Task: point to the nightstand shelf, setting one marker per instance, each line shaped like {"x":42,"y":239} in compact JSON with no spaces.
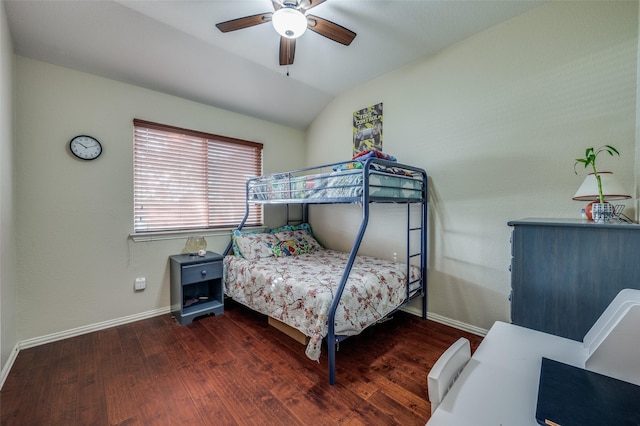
{"x":196,"y":286}
{"x":201,"y":306}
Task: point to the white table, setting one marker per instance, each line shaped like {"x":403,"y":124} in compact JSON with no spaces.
{"x":499,"y":385}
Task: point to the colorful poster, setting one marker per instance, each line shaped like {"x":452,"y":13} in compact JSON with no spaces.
{"x":367,"y":129}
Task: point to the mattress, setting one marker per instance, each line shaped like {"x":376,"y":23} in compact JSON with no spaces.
{"x":336,"y":185}
{"x":298,"y":290}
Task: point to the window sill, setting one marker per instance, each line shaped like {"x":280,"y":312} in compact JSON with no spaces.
{"x":145,"y":237}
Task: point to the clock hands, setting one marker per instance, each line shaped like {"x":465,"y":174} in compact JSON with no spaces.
{"x":89,"y":143}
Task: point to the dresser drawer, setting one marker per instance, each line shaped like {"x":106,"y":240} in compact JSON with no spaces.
{"x":201,"y":272}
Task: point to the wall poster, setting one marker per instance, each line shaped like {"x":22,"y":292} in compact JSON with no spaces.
{"x":367,"y":129}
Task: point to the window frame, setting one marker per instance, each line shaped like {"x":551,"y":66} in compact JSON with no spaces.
{"x":212,"y":145}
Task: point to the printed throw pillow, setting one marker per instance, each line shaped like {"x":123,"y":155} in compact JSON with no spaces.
{"x":299,"y":235}
{"x":297,"y":232}
{"x":253,"y":245}
{"x":289,"y":248}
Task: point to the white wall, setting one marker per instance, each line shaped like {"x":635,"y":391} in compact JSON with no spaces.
{"x":76,"y":265}
{"x":497,"y":122}
{"x":8,"y":270}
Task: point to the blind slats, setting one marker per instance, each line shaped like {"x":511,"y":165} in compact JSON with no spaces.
{"x":185,"y":179}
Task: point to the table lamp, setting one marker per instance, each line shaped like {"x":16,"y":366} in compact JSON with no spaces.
{"x":611,"y":190}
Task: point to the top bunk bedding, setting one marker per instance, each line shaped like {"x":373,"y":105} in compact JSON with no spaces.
{"x":375,"y":180}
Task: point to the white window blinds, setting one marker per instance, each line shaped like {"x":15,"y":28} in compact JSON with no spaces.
{"x":184,"y":179}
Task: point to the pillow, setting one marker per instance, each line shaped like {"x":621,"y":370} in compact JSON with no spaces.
{"x":298,"y":232}
{"x":289,"y":248}
{"x":237,"y":233}
{"x":301,"y":226}
{"x":299,"y":235}
{"x":282,"y":228}
{"x":253,"y":245}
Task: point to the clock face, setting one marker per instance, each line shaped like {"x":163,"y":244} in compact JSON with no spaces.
{"x":85,"y":147}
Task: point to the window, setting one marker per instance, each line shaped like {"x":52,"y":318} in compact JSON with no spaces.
{"x":184,"y":179}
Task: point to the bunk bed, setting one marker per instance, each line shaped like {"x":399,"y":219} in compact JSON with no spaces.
{"x":328,"y":295}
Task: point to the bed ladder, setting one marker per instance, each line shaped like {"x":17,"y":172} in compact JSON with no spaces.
{"x":421,"y":254}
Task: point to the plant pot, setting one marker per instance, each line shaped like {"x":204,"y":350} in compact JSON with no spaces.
{"x":602,"y":212}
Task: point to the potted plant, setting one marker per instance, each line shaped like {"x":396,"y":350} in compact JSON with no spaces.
{"x":601,"y":211}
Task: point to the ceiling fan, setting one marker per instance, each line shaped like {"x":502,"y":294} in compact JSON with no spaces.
{"x":290,"y":20}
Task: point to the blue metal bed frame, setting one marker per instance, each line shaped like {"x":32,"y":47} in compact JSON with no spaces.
{"x":365,"y":199}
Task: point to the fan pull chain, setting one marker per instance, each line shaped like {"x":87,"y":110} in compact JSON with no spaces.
{"x":288,"y":56}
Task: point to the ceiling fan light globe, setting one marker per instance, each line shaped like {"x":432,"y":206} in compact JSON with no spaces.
{"x":289,"y":22}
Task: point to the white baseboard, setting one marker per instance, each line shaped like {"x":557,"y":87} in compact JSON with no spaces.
{"x":54,"y":337}
{"x":447,"y":321}
{"x":7,"y":367}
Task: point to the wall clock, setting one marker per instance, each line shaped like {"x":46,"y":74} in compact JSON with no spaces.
{"x":85,"y":147}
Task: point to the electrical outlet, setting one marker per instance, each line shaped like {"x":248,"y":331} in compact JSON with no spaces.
{"x":140,"y":284}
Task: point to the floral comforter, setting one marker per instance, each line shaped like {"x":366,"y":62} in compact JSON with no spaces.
{"x":299,"y":290}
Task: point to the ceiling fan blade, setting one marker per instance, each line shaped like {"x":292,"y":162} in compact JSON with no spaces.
{"x":330,"y":30}
{"x":276,"y":4}
{"x":287,"y":50}
{"x":246,"y":22}
{"x":308,"y":4}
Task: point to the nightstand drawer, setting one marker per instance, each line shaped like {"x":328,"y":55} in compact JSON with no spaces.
{"x":201,"y":272}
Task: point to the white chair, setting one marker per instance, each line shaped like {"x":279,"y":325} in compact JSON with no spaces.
{"x":446,"y":370}
{"x":612,"y":341}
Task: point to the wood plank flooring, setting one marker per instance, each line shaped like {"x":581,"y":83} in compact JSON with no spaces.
{"x":233,"y":369}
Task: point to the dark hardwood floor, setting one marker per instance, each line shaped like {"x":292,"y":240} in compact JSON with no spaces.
{"x":225,"y":370}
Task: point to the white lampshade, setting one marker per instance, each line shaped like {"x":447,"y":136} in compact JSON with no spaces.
{"x":611,"y":188}
{"x":289,"y":22}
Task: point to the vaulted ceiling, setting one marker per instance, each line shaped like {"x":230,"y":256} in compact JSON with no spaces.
{"x":174,"y":47}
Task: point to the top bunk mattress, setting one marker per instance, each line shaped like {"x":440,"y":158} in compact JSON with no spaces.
{"x":342,"y":183}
